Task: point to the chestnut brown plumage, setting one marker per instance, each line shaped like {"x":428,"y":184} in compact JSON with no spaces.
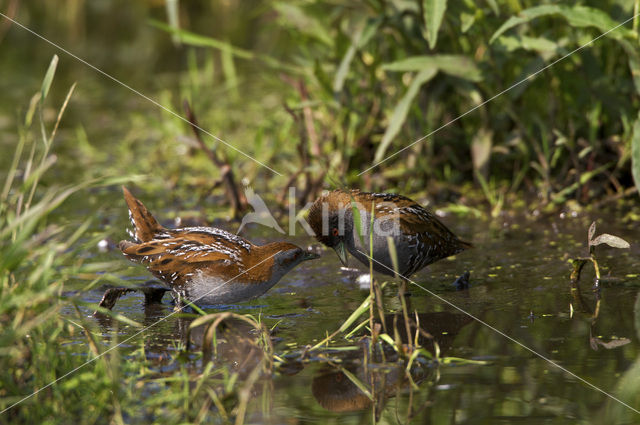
{"x":207,"y":265}
{"x":418,"y":236}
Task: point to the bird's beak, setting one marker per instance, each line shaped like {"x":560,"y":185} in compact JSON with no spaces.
{"x":310,"y":256}
{"x":342,"y":253}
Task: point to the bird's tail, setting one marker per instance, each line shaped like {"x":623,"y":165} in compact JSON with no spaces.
{"x":144,"y":225}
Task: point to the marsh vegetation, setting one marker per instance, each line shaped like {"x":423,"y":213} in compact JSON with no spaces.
{"x":312,"y":95}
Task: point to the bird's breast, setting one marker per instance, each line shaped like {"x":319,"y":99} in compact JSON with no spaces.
{"x":210,"y":289}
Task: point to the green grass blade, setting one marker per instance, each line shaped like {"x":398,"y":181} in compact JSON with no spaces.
{"x":400,"y":112}
{"x":48,"y":78}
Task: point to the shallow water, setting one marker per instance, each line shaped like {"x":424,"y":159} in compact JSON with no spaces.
{"x":520,"y":295}
{"x":516,"y":316}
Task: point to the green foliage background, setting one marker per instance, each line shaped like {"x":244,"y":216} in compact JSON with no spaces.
{"x":364,"y":78}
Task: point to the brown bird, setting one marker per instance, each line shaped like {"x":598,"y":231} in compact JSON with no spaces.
{"x":207,"y":265}
{"x":418,"y":236}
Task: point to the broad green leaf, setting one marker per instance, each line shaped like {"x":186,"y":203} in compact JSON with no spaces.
{"x":402,"y":109}
{"x":577,"y":16}
{"x":635,"y":153}
{"x":584,"y":16}
{"x":537,"y":44}
{"x":525,"y":16}
{"x":457,"y":65}
{"x":611,"y":240}
{"x":433,"y":15}
{"x":48,"y":78}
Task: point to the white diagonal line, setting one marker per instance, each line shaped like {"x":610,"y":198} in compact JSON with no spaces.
{"x":109,"y":76}
{"x":129,"y":338}
{"x":501,"y":93}
{"x":531,"y":350}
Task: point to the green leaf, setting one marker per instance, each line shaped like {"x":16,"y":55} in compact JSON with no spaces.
{"x":402,"y":109}
{"x":634,"y":62}
{"x":192,"y":39}
{"x":494,"y":7}
{"x":173,"y":16}
{"x":481,"y":144}
{"x":345,"y":63}
{"x":393,"y":253}
{"x":48,"y":78}
{"x":295,"y":16}
{"x":577,"y":16}
{"x":635,"y":153}
{"x":361,"y":38}
{"x":456,"y":65}
{"x":536,"y":44}
{"x":584,"y":16}
{"x":433,"y":15}
{"x":466,"y":21}
{"x":357,"y":219}
{"x":358,"y":383}
{"x":525,"y":16}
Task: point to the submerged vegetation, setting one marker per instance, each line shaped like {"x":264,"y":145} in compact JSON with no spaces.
{"x":477,"y":106}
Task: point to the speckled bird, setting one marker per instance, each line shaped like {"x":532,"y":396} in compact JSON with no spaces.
{"x":418,"y":236}
{"x":206,"y":265}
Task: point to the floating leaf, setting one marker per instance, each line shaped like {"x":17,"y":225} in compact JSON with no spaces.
{"x":456,"y":65}
{"x":611,"y":240}
{"x":402,"y":109}
{"x":433,"y":15}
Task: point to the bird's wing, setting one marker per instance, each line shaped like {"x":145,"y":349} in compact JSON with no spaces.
{"x":177,"y":259}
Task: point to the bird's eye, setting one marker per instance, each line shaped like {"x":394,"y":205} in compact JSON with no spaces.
{"x":335,"y":231}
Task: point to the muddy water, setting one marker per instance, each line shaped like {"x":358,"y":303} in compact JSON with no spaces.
{"x":519,"y":316}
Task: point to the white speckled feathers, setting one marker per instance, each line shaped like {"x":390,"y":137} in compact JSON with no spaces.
{"x":173,"y":255}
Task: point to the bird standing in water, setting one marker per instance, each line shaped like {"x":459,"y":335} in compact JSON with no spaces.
{"x":207,"y":265}
{"x":419,"y":237}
